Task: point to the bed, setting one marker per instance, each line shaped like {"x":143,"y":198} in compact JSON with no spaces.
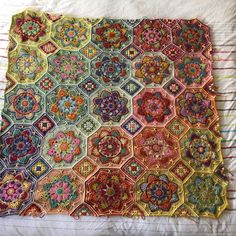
{"x":221,"y":17}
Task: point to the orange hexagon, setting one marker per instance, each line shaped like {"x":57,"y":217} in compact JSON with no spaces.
{"x":156,"y":148}
{"x":60,"y":191}
{"x":110,"y":146}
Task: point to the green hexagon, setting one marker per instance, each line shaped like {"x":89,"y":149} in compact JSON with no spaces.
{"x":24,"y":104}
{"x":68,"y":67}
{"x":26,"y":64}
{"x":64,"y":146}
{"x":66,"y":104}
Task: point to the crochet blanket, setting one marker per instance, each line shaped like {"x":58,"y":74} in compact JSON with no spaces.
{"x":110,"y":117}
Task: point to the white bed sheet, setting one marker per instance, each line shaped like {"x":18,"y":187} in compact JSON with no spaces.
{"x":220,"y":15}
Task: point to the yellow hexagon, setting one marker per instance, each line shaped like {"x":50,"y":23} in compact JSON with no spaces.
{"x":71,"y":33}
{"x":201,"y":149}
{"x":206,"y":194}
{"x":159,"y":193}
{"x":30,"y":27}
{"x":26,"y":64}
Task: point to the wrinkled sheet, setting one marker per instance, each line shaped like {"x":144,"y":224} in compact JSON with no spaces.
{"x":221,"y":17}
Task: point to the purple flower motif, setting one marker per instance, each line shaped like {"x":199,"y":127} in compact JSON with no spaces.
{"x":200,"y":148}
{"x":110,"y":106}
{"x":195,"y":107}
{"x":110,"y":69}
{"x":15,"y":191}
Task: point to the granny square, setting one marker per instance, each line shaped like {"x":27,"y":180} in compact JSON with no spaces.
{"x":110,"y":117}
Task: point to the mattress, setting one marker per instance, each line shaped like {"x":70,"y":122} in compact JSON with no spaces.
{"x":221,"y":17}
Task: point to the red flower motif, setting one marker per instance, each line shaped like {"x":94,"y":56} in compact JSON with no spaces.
{"x":152,"y":107}
{"x":110,"y":146}
{"x":30,"y":28}
{"x":191,"y":35}
{"x":159,"y":192}
{"x":151,"y":35}
{"x":109,"y":191}
{"x":110,"y":34}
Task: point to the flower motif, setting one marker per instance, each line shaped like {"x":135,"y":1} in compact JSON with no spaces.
{"x":201,"y":148}
{"x":159,"y":192}
{"x":64,"y":147}
{"x":205,"y":193}
{"x":110,"y":34}
{"x":153,"y":107}
{"x":60,"y":192}
{"x":191,"y":70}
{"x":110,"y":106}
{"x":151,"y":35}
{"x":30,"y":28}
{"x":109,"y":191}
{"x":24,"y":103}
{"x":67,"y":66}
{"x":66,"y":104}
{"x":155,"y":148}
{"x":195,"y":107}
{"x":20,"y":144}
{"x":109,"y":146}
{"x":71,"y":33}
{"x":110,"y":69}
{"x":15,"y":192}
{"x":153,"y":69}
{"x":26,"y":64}
{"x":191,"y":35}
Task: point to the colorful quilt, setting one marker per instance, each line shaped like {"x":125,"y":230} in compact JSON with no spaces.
{"x":110,"y":117}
